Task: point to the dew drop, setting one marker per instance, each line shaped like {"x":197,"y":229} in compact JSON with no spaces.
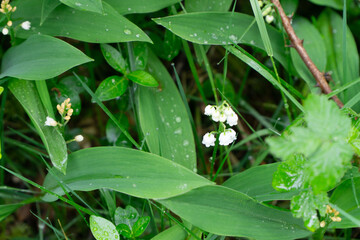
{"x":127,"y":31}
{"x":178,"y":119}
{"x":186,"y":143}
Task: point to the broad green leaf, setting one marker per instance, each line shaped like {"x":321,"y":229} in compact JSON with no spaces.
{"x":315,"y":47}
{"x":7,"y":209}
{"x":306,"y":205}
{"x":290,"y":174}
{"x":114,"y":58}
{"x":290,"y":6}
{"x":224,"y":211}
{"x":139,"y":6}
{"x":47,"y":7}
{"x":26,"y":93}
{"x":103,"y":229}
{"x":260,"y":187}
{"x":175,"y":232}
{"x":125,"y":170}
{"x":337,"y":4}
{"x":112,"y":87}
{"x":330,"y":24}
{"x":207,"y":5}
{"x":127,"y":216}
{"x":85,"y":5}
{"x":223,"y":29}
{"x":41,"y":57}
{"x":143,"y":78}
{"x":163,"y":118}
{"x":347,"y":197}
{"x":323,"y":143}
{"x":80,"y":25}
{"x":140,"y":226}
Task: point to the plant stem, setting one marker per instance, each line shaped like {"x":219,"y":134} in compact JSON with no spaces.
{"x":298,"y":45}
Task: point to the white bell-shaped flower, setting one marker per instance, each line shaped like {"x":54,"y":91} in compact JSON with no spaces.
{"x":209,"y":110}
{"x":227,"y":137}
{"x":209,"y":139}
{"x":50,"y":122}
{"x":216,"y":115}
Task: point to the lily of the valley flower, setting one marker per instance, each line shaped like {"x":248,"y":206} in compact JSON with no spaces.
{"x":5,"y":31}
{"x":227,"y":137}
{"x":209,"y":139}
{"x":26,"y":25}
{"x":79,"y":138}
{"x":50,"y":122}
{"x":209,"y":110}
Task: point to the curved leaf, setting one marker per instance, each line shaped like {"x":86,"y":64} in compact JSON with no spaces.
{"x":26,"y":93}
{"x":143,"y":78}
{"x":80,"y":25}
{"x":163,"y":118}
{"x":41,"y":57}
{"x":139,"y":6}
{"x":103,"y":229}
{"x":175,"y":233}
{"x":207,"y":5}
{"x":216,"y":28}
{"x":111,"y":87}
{"x":125,"y":170}
{"x":223,"y":211}
{"x":85,"y":5}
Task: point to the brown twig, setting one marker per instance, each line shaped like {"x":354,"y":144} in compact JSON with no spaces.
{"x":298,"y":45}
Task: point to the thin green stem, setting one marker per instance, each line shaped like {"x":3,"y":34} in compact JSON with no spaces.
{"x":209,"y":72}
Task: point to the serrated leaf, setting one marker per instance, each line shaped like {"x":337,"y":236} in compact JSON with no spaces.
{"x":143,"y":78}
{"x":114,"y":58}
{"x":140,"y":226}
{"x":323,"y":143}
{"x":41,"y":57}
{"x":85,"y":5}
{"x":124,"y":230}
{"x":127,"y":216}
{"x":306,"y":204}
{"x":289,"y":175}
{"x":103,"y":229}
{"x":111,"y":87}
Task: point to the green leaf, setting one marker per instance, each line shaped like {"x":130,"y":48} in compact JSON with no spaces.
{"x":127,"y":216}
{"x":207,"y":5}
{"x":125,"y":170}
{"x":103,"y":229}
{"x":305,"y":206}
{"x":114,"y":58}
{"x":113,"y":133}
{"x":73,"y":83}
{"x":139,"y":6}
{"x":41,"y":57}
{"x":175,"y":232}
{"x":140,"y":226}
{"x":323,"y":143}
{"x":47,"y":7}
{"x":163,"y":118}
{"x":330,"y":24}
{"x":124,"y":230}
{"x":241,"y":216}
{"x":260,"y":188}
{"x":141,"y":54}
{"x":85,"y":5}
{"x":223,"y":29}
{"x":290,"y":174}
{"x":166,"y":48}
{"x":71,"y":23}
{"x":1,"y":90}
{"x":26,"y":93}
{"x":315,"y":47}
{"x":112,"y":87}
{"x":143,"y":78}
{"x":337,"y":4}
{"x":347,"y":197}
{"x":7,"y":209}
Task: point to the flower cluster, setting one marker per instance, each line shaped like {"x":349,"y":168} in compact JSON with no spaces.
{"x":65,"y":109}
{"x":267,"y":10}
{"x":7,"y":9}
{"x":332,"y":214}
{"x":223,"y":114}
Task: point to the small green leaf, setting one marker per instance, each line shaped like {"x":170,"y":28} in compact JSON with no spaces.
{"x":41,"y":57}
{"x":124,"y":230}
{"x":305,"y":206}
{"x":141,"y":54}
{"x":103,"y":229}
{"x":289,"y":175}
{"x":85,"y":5}
{"x":140,"y":226}
{"x":143,"y":78}
{"x":114,"y":58}
{"x":112,"y":87}
{"x":127,"y":216}
{"x":73,"y":83}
